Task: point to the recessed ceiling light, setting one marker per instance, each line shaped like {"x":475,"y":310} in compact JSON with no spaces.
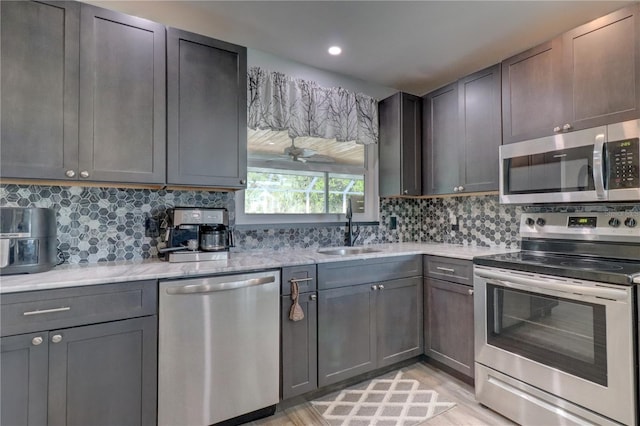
{"x":335,"y":50}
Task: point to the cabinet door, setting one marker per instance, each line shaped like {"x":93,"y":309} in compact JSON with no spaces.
{"x":480,"y":130}
{"x":441,"y":158}
{"x":299,"y":367}
{"x":206,"y":111}
{"x":400,"y":146}
{"x":532,"y":101}
{"x":23,"y":372}
{"x":346,"y":333}
{"x":603,"y":62}
{"x":399,"y":316}
{"x":39,"y":63}
{"x":122,"y":98}
{"x":104,"y":374}
{"x":449,"y":324}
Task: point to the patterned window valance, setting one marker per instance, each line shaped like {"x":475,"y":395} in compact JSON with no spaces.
{"x":303,"y":108}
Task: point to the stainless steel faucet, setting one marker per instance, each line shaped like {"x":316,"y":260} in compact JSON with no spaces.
{"x":351,"y":234}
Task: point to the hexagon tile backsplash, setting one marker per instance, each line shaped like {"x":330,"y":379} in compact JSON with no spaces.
{"x":105,"y":224}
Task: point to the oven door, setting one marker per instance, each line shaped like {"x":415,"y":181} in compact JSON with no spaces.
{"x":562,"y":168}
{"x":570,"y":338}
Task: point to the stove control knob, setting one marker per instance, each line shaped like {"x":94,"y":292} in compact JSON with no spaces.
{"x":630,"y":222}
{"x":530,"y":221}
{"x":541,"y":221}
{"x":615,"y":222}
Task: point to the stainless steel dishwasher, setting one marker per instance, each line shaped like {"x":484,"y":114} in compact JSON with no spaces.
{"x":218,"y":348}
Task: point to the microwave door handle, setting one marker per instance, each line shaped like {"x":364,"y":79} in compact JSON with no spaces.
{"x":598,"y":167}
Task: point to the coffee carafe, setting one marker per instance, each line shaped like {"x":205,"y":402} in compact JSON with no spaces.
{"x":197,"y":234}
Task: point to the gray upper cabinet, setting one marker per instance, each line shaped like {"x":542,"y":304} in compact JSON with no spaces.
{"x":400,"y":146}
{"x":532,"y":92}
{"x":587,"y":77}
{"x":206,"y":111}
{"x":603,"y":61}
{"x":39,"y":64}
{"x":122,"y":98}
{"x":480,"y":130}
{"x":441,"y":161}
{"x":462,"y":124}
{"x":88,"y":101}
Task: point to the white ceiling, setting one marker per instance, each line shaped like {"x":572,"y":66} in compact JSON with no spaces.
{"x":414,"y":46}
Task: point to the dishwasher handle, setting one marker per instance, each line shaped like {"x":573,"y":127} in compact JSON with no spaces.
{"x":223,"y":286}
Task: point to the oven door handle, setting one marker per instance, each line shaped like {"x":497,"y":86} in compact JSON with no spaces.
{"x":528,"y":284}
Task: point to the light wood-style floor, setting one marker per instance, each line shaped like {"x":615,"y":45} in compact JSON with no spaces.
{"x":466,"y":412}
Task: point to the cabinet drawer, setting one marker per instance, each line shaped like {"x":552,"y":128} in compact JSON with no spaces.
{"x":449,"y":269}
{"x":49,"y":309}
{"x":362,"y":271}
{"x":305,"y":275}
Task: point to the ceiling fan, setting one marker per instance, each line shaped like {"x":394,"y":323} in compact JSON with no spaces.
{"x":305,"y":154}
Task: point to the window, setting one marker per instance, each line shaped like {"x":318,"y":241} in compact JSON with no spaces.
{"x":307,"y":180}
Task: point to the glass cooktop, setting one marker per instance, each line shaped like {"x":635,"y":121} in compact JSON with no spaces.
{"x":598,"y":269}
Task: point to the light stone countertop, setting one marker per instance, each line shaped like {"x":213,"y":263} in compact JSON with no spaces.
{"x":112,"y":272}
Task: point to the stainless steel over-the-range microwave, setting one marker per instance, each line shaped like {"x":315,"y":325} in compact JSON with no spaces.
{"x":591,"y":165}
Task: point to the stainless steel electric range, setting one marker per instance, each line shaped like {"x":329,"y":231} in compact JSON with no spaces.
{"x":555,"y":324}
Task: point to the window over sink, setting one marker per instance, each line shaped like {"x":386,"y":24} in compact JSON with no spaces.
{"x":307,"y":180}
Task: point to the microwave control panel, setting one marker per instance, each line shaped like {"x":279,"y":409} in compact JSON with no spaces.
{"x":624,"y":163}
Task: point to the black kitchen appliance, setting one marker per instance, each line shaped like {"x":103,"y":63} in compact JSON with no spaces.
{"x":555,"y":323}
{"x":197,"y":234}
{"x":27,"y":240}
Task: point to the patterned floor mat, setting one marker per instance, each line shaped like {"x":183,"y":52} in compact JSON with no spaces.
{"x":387,"y":401}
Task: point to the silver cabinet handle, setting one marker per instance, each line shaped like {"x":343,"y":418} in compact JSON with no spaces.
{"x":440,"y":268}
{"x":374,"y":287}
{"x":84,"y":174}
{"x":300,"y":280}
{"x":405,"y":192}
{"x":210,"y":288}
{"x":455,"y":189}
{"x":461,"y":188}
{"x":70,"y":173}
{"x":47,"y":311}
{"x":57,"y":338}
{"x":566,"y":127}
{"x":313,"y":297}
{"x":243,"y":181}
{"x":381,"y":287}
{"x":557,"y":129}
{"x":470,"y":291}
{"x":36,"y":341}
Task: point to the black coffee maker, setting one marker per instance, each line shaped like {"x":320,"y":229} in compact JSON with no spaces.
{"x":197,"y":234}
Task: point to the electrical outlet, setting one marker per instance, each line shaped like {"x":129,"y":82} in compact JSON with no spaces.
{"x":393,"y":223}
{"x":453,"y":220}
{"x":151,"y":228}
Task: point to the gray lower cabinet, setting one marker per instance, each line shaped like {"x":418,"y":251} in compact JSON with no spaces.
{"x":206,"y":111}
{"x":462,"y":127}
{"x":24,"y":365}
{"x":299,"y":339}
{"x":366,"y":325}
{"x":448,"y":313}
{"x":400,"y":145}
{"x":88,"y":101}
{"x":101,"y":373}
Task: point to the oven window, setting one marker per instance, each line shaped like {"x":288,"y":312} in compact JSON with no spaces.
{"x":568,"y":170}
{"x":565,"y":334}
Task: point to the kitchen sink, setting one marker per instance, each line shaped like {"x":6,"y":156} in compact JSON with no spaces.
{"x":348,"y":251}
